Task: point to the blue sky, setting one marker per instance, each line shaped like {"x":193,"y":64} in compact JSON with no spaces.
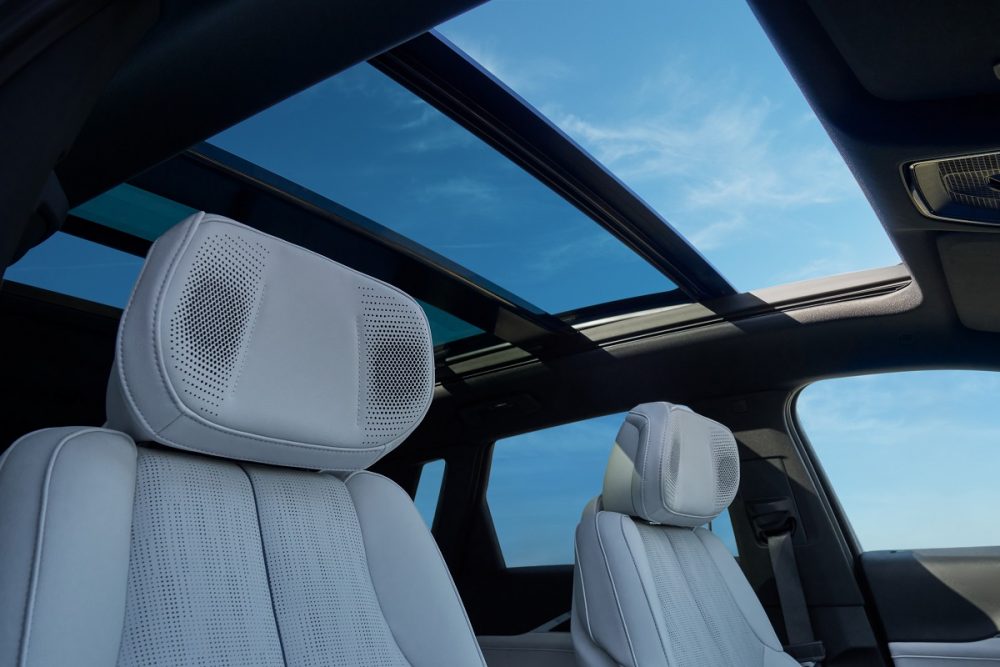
{"x":690,"y":106}
{"x":912,"y":456}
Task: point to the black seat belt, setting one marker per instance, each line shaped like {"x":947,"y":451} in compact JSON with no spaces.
{"x":774,"y":523}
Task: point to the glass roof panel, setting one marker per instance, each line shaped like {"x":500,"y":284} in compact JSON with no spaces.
{"x":133,"y":211}
{"x":367,"y":143}
{"x":689,"y":104}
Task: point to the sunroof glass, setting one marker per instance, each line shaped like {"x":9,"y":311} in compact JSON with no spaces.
{"x":690,"y":105}
{"x":365,"y":142}
{"x":146,"y":215}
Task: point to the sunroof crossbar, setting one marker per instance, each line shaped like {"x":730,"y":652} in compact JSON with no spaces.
{"x":459,"y":87}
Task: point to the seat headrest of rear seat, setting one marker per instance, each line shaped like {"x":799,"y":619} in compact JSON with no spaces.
{"x":241,"y":345}
{"x":671,"y":466}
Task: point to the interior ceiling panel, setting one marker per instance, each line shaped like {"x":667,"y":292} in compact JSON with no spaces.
{"x":907,"y":50}
{"x":970,"y":266}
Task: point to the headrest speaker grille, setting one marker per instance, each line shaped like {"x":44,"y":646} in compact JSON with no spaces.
{"x":214,"y":317}
{"x":727,"y":467}
{"x":395,"y":370}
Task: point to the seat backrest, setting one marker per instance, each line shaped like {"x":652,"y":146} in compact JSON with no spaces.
{"x":653,"y":587}
{"x":243,"y":366}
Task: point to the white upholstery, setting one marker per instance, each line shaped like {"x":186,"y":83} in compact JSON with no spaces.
{"x":241,"y":345}
{"x":138,"y":555}
{"x":648,"y":594}
{"x":670,"y":465}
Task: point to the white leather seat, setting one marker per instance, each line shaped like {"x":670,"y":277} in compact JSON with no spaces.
{"x":653,"y":587}
{"x":193,"y":528}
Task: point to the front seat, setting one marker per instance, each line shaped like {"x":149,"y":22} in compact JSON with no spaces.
{"x":193,"y":529}
{"x":652,"y":587}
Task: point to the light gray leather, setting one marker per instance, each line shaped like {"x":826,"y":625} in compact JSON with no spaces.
{"x":672,"y":466}
{"x":531,"y":649}
{"x":647,"y":594}
{"x":415,"y":590}
{"x":241,"y":345}
{"x":254,"y":565}
{"x":984,"y":653}
{"x":65,"y":516}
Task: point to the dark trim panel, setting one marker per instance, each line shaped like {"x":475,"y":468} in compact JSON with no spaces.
{"x":445,"y":77}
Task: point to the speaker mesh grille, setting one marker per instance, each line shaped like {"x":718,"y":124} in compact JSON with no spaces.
{"x":727,"y":467}
{"x":396,"y":372}
{"x":966,"y":180}
{"x":214,"y":317}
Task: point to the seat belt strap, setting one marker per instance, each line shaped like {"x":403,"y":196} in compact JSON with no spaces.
{"x":774,"y":523}
{"x":792,"y":599}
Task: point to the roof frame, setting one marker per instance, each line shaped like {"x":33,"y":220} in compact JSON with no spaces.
{"x":441,"y":74}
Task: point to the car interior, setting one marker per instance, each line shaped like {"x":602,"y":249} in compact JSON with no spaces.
{"x":275,"y":397}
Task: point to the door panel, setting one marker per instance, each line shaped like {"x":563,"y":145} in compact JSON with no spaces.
{"x":968,"y":654}
{"x":937,"y":606}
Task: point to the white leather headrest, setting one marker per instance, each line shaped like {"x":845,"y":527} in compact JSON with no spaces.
{"x":672,"y":466}
{"x":244,"y":346}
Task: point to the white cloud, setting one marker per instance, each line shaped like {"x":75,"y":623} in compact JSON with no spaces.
{"x":469,"y":191}
{"x":522,"y":75}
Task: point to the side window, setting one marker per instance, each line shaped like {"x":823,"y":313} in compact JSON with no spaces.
{"x":429,"y":490}
{"x":71,"y":265}
{"x":913,"y":456}
{"x":541,"y":481}
{"x":539,"y":484}
{"x":722,"y":526}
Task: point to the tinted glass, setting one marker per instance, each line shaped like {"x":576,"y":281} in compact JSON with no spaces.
{"x":367,"y":143}
{"x":539,"y":484}
{"x":429,"y":490}
{"x":77,"y":267}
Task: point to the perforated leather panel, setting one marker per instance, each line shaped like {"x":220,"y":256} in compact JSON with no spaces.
{"x":703,"y":623}
{"x":318,"y":569}
{"x":256,"y":566}
{"x":197,"y":586}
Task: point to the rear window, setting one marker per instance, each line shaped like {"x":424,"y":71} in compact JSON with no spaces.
{"x":539,"y":484}
{"x":541,"y":481}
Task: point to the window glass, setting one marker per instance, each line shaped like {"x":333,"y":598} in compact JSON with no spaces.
{"x":539,"y":484}
{"x":133,"y":211}
{"x":369,"y":144}
{"x":690,"y":105}
{"x":722,"y":526}
{"x":77,"y":267}
{"x":913,"y":457}
{"x":429,"y":490}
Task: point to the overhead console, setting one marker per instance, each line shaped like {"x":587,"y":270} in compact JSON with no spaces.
{"x":959,"y":189}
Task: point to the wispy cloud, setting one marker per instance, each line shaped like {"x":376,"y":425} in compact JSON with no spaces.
{"x":523,"y":75}
{"x":728,"y":158}
{"x":468,"y":191}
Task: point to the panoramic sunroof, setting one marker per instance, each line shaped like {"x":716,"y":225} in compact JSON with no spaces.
{"x":690,"y":105}
{"x":367,"y":143}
